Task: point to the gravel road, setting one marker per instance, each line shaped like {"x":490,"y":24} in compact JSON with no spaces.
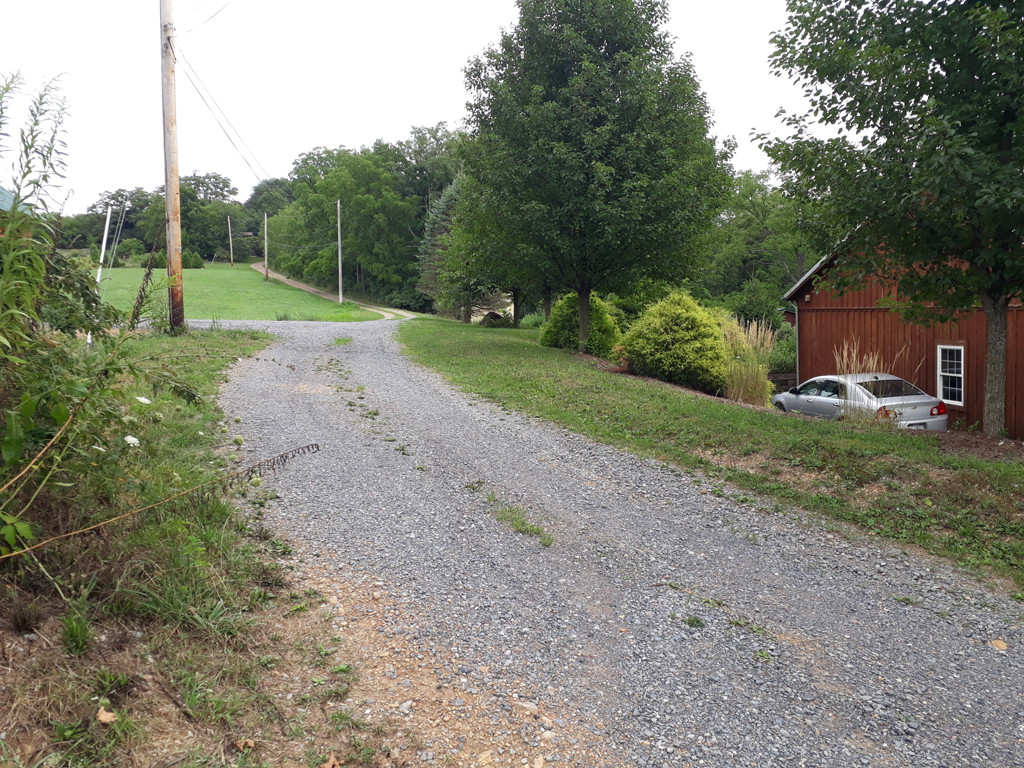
{"x":676,"y":618}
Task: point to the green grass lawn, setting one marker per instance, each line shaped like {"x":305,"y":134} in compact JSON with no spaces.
{"x":223,"y":292}
{"x":894,"y":483}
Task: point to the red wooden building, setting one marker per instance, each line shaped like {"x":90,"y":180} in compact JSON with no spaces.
{"x":946,"y":359}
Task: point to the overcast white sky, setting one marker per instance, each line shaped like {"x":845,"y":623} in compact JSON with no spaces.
{"x":291,"y":76}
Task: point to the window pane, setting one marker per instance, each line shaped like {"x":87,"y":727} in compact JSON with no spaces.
{"x":951,"y":374}
{"x":890,"y":388}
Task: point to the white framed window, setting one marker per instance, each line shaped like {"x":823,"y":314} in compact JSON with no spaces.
{"x":951,"y":374}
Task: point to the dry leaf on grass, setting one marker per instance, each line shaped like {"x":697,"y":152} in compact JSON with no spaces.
{"x":332,"y":761}
{"x":106,"y":717}
{"x":243,"y":745}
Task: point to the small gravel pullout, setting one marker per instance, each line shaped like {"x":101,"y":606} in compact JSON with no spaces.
{"x":676,"y":619}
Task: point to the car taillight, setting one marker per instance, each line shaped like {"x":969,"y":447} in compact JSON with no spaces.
{"x":939,"y":410}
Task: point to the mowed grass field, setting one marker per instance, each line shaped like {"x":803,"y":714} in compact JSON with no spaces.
{"x":894,"y":483}
{"x":223,"y":292}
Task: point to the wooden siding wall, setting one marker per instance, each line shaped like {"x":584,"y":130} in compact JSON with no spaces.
{"x":826,"y":320}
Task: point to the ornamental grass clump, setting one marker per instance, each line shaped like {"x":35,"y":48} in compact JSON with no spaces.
{"x":563,"y":329}
{"x":678,"y":341}
{"x":749,"y":349}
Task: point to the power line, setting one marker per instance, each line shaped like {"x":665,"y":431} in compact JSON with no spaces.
{"x":196,"y":81}
{"x":208,"y":20}
{"x":304,"y":247}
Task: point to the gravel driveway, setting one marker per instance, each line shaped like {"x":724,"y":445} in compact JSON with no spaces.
{"x":678,"y":619}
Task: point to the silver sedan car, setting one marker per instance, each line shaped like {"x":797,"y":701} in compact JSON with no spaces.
{"x":878,"y":395}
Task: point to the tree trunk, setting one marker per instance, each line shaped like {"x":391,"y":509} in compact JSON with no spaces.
{"x":584,"y":294}
{"x":517,"y":310}
{"x":994,"y":418}
{"x":547,"y":306}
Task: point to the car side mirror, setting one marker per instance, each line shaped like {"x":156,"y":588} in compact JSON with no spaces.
{"x":794,"y":391}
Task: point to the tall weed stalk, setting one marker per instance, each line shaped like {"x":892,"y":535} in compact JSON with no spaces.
{"x":850,"y":359}
{"x":749,"y":350}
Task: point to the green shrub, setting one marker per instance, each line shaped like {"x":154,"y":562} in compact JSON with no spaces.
{"x":631,"y":304}
{"x":533,"y":320}
{"x":748,"y":349}
{"x":130,"y":247}
{"x":783,"y":359}
{"x":563,"y":329}
{"x":191,"y":260}
{"x":678,"y":341}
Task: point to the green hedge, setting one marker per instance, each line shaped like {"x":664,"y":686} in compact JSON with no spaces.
{"x":678,"y":341}
{"x":563,"y":328}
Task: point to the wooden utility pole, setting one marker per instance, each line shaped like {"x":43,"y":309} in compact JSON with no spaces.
{"x":340,"y":297}
{"x":231,"y":243}
{"x":175,"y":293}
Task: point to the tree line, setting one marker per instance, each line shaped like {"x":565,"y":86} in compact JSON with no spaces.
{"x":588,"y":167}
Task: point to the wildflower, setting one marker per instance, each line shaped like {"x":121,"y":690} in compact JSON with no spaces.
{"x":132,"y":441}
{"x":144,"y":400}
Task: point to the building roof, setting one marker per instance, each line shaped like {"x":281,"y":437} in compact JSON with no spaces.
{"x":6,"y":200}
{"x":803,"y":281}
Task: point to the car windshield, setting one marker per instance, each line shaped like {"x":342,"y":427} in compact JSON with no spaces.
{"x":883,"y":388}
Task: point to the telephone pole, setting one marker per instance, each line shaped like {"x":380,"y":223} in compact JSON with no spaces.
{"x":340,"y":297}
{"x":231,"y":243}
{"x":175,"y":293}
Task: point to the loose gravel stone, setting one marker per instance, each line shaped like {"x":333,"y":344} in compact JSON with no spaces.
{"x":813,"y":647}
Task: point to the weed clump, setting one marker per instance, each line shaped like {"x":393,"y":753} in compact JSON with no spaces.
{"x":749,"y":350}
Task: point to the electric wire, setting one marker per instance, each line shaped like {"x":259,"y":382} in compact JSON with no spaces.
{"x":304,"y":247}
{"x":209,"y":93}
{"x":208,"y":19}
{"x":189,"y":72}
{"x":199,"y":86}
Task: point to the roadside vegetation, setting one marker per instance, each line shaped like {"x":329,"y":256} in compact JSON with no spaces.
{"x":141,"y":599}
{"x":223,"y":292}
{"x":892,"y":483}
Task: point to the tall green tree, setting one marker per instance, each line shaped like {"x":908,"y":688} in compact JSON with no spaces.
{"x":593,"y":141}
{"x":269,"y":196}
{"x":459,"y":269}
{"x":757,"y":249}
{"x":380,"y":223}
{"x":436,"y":228}
{"x":924,"y":183}
{"x":210,"y":186}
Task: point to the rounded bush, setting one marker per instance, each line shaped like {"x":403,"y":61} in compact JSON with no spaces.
{"x":678,"y":341}
{"x":563,"y":329}
{"x":532,"y":320}
{"x":191,"y":260}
